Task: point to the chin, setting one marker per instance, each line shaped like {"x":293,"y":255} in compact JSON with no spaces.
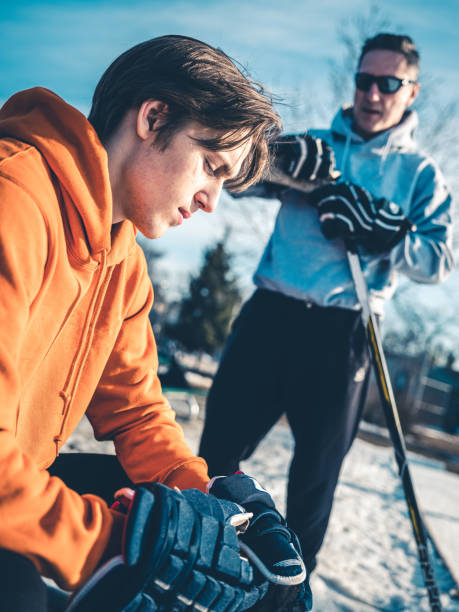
{"x":150,"y":233}
{"x":368,"y":127}
{"x":372,"y":129}
{"x":153,"y":228}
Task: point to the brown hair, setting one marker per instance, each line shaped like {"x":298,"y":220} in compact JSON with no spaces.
{"x":198,"y":83}
{"x":400,"y":43}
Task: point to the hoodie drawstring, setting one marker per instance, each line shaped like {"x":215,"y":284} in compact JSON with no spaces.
{"x":385,"y":153}
{"x":346,"y":153}
{"x":84,"y":345}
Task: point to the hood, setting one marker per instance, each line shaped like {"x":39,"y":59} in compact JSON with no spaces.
{"x":77,"y":158}
{"x":400,"y":136}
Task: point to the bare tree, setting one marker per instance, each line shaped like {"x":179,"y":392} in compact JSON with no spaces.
{"x":352,"y":33}
{"x":421,"y":328}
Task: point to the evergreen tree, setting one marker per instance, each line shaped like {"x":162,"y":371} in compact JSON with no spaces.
{"x":206,"y":311}
{"x":160,"y":308}
{"x":153,"y":256}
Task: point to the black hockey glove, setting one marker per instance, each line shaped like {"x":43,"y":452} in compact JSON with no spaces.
{"x":180,"y":551}
{"x":349,"y":211}
{"x":304,"y":157}
{"x":269,"y":544}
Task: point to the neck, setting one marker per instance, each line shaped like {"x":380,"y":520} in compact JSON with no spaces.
{"x":114,"y":173}
{"x":363,"y":134}
{"x":118,"y":149}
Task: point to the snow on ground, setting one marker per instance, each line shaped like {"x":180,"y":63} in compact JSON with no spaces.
{"x":442,"y":518}
{"x":369,"y":559}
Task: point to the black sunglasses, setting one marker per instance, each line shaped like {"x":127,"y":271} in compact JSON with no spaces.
{"x":386,"y":84}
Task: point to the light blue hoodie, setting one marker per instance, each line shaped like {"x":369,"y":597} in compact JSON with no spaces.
{"x":299,"y":262}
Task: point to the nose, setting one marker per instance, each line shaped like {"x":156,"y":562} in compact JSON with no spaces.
{"x":373,"y":92}
{"x":208,"y":199}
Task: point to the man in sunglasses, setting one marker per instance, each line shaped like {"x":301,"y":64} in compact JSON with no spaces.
{"x":298,"y":347}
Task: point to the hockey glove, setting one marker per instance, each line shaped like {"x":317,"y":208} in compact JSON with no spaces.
{"x":350,"y":212}
{"x":269,"y":544}
{"x":180,"y":551}
{"x":304,"y":157}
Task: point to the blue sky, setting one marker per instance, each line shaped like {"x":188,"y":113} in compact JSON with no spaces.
{"x":285,"y":44}
{"x":67,"y":45}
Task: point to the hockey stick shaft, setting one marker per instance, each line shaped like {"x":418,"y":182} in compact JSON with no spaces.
{"x":393,"y":424}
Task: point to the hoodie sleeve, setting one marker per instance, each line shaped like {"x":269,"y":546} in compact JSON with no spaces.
{"x":129,"y":406}
{"x":425,"y":254}
{"x":62,"y":533}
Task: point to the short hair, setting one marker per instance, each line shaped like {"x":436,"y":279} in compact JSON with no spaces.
{"x":400,"y":43}
{"x":198,"y":83}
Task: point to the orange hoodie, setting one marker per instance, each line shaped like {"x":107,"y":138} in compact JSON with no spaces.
{"x":74,"y":338}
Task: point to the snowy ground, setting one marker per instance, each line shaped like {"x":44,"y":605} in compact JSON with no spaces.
{"x":369,"y":560}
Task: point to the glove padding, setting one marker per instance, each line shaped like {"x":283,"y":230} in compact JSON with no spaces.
{"x":179,"y":552}
{"x":350,"y":212}
{"x":269,"y":544}
{"x":304,"y":157}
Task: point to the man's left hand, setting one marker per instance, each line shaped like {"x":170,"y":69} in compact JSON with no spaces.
{"x":350,"y":212}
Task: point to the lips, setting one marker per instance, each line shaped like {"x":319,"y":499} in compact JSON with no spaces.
{"x":182,"y":214}
{"x":371,"y":111}
{"x":185,"y":213}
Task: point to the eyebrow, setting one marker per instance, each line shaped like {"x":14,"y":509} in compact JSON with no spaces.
{"x":223,"y":169}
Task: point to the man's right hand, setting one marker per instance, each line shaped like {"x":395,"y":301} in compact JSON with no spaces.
{"x":304,"y":158}
{"x":349,"y":211}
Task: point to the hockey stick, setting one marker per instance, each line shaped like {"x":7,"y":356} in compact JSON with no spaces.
{"x":393,"y":424}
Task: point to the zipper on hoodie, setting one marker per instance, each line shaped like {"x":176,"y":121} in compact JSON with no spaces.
{"x":84,"y":345}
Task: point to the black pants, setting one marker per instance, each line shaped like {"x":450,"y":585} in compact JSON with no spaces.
{"x":21,"y":587}
{"x":284,"y":356}
{"x":98,"y":474}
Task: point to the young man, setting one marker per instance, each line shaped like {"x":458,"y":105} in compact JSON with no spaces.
{"x":298,"y":346}
{"x":172,"y":121}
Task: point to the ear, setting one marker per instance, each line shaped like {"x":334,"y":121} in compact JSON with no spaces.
{"x":151,"y":114}
{"x":414,"y":93}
